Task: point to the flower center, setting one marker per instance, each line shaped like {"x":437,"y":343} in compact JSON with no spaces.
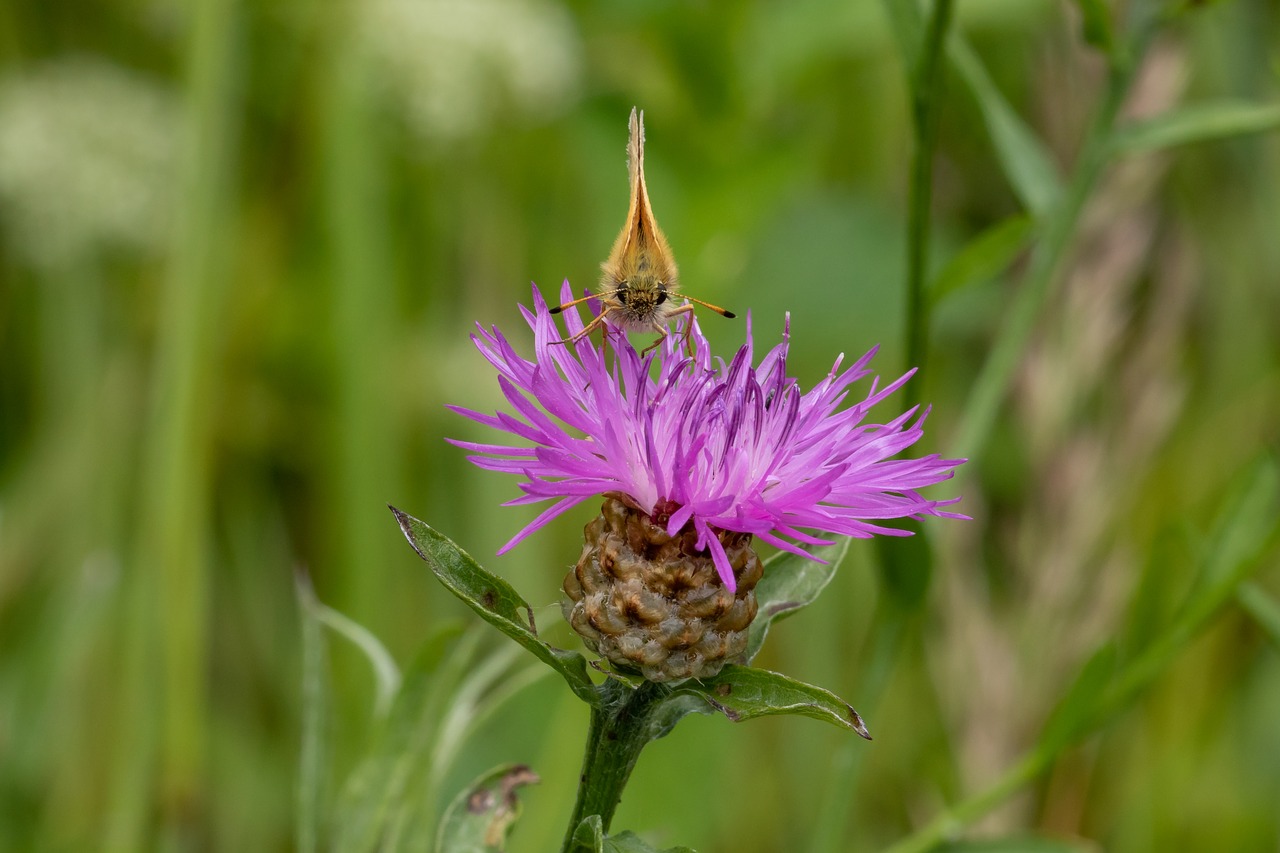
{"x":662,"y":512}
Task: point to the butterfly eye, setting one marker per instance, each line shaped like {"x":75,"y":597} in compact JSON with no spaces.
{"x":662,"y":294}
{"x":621,"y":293}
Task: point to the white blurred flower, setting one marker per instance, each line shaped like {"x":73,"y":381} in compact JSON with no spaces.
{"x":87,"y":160}
{"x":455,"y":64}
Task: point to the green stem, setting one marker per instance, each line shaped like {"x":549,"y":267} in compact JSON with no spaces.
{"x":926,"y":88}
{"x":620,"y":728}
{"x":162,"y":758}
{"x":363,"y":441}
{"x":950,"y":823}
{"x":1060,"y":229}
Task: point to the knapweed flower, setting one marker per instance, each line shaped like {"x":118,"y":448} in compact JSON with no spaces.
{"x":704,"y":455}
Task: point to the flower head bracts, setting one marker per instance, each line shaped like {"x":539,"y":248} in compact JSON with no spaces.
{"x":719,"y":446}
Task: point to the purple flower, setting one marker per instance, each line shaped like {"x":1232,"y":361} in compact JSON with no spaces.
{"x":728,"y":447}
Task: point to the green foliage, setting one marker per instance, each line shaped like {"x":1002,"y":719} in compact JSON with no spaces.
{"x":627,"y":712}
{"x":495,"y":600}
{"x":223,"y":350}
{"x":589,"y":836}
{"x":1198,"y":123}
{"x":591,"y":839}
{"x":1075,"y":712}
{"x":1024,"y":159}
{"x":629,"y":842}
{"x":388,"y":799}
{"x":1017,"y":844}
{"x":984,"y":257}
{"x":906,"y":567}
{"x":791,"y":583}
{"x":480,"y":817}
{"x":743,"y":693}
{"x":1096,"y":25}
{"x":1263,"y":607}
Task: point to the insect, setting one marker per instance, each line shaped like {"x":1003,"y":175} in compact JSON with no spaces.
{"x":640,"y":277}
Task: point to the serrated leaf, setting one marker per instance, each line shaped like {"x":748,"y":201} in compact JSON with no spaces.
{"x":480,"y":818}
{"x":629,"y":842}
{"x":1198,"y":123}
{"x":495,"y":600}
{"x":984,"y":257}
{"x":589,"y":836}
{"x":790,"y":583}
{"x":1023,"y":157}
{"x":1074,"y":713}
{"x":743,"y":693}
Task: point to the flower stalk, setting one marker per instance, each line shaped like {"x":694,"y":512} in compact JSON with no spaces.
{"x":621,"y":725}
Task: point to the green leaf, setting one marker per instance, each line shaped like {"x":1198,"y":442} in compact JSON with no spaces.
{"x":478,"y":690}
{"x":984,"y":257}
{"x":907,"y":25}
{"x":1024,"y":158}
{"x":495,"y":600}
{"x":1197,"y":123}
{"x":1096,"y":25}
{"x":629,"y":842}
{"x":480,"y":818}
{"x":485,"y":687}
{"x":743,"y":693}
{"x":1264,"y":609}
{"x":589,"y":836}
{"x":386,"y":674}
{"x":1074,"y":713}
{"x":312,"y":760}
{"x":376,"y":792}
{"x":790,"y":583}
{"x":1244,"y":531}
{"x":1017,"y":844}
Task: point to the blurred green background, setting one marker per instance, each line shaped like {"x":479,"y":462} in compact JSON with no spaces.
{"x":242,"y":247}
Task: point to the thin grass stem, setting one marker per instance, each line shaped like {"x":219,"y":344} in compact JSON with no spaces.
{"x":171,"y":641}
{"x":1046,"y":261}
{"x":926,"y":93}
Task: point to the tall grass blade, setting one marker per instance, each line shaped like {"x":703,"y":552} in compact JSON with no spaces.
{"x":1263,"y":607}
{"x":1198,"y":123}
{"x":170,"y":566}
{"x":313,"y":756}
{"x":1023,"y":157}
{"x":984,"y":257}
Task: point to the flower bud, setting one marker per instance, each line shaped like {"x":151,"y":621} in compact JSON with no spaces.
{"x":652,"y":602}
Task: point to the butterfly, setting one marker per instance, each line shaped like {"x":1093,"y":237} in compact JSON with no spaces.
{"x":639,"y":291}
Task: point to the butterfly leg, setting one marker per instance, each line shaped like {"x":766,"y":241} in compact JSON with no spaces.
{"x":663,"y":334}
{"x":586,"y":330}
{"x":685,"y":340}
